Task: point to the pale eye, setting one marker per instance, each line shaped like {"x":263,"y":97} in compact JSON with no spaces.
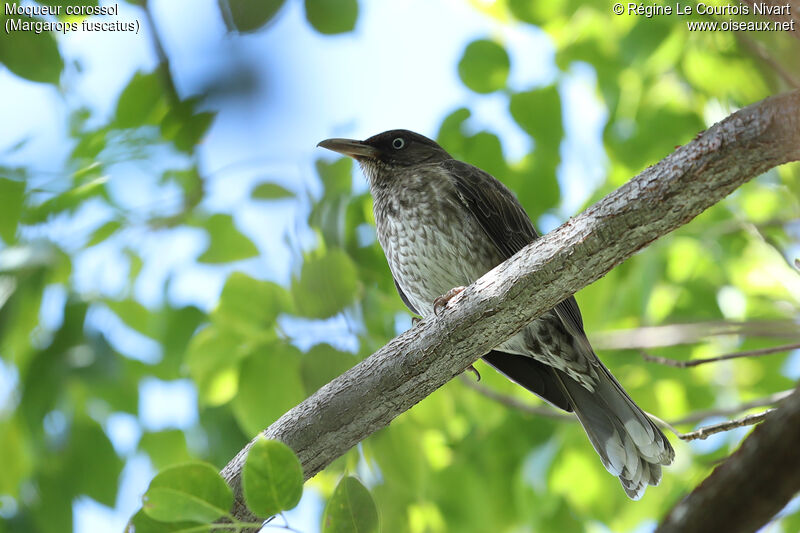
{"x":398,"y":143}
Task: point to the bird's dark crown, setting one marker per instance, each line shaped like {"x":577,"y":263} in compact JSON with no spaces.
{"x":404,"y":148}
{"x":394,"y":148}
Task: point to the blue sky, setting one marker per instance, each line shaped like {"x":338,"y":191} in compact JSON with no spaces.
{"x":396,"y":70}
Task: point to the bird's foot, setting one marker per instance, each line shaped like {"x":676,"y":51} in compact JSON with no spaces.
{"x":415,"y":320}
{"x":471,"y":368}
{"x":441,"y":302}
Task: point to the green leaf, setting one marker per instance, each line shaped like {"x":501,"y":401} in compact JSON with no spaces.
{"x":326,"y":286}
{"x":12,"y":194}
{"x":536,"y":184}
{"x":538,"y":13}
{"x":90,"y":144}
{"x":269,"y":385}
{"x":185,"y":126}
{"x":323,"y":363}
{"x":450,"y":135}
{"x":67,"y":201}
{"x":484,"y":66}
{"x":250,"y":306}
{"x":165,"y":448}
{"x":91,"y":463}
{"x":485,"y":151}
{"x":351,"y":509}
{"x":18,"y":460}
{"x":212,"y":359}
{"x":272,"y":478}
{"x":538,"y":112}
{"x":193,"y":492}
{"x":227,"y":244}
{"x":141,"y":523}
{"x":248,"y":15}
{"x":270,"y":191}
{"x":332,"y":16}
{"x":135,"y":265}
{"x":661,"y":129}
{"x":179,"y":325}
{"x":104,"y":232}
{"x":337,"y":177}
{"x":27,"y":54}
{"x":133,"y":314}
{"x":141,"y":102}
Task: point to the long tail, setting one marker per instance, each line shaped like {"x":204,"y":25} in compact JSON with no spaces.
{"x":629,"y":443}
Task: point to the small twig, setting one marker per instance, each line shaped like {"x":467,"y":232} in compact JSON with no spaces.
{"x":514,"y":403}
{"x":705,"y":431}
{"x":695,"y":362}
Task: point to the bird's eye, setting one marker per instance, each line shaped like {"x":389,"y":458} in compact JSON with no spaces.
{"x":398,"y":143}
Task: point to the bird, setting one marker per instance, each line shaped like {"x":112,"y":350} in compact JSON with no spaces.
{"x":443,"y":223}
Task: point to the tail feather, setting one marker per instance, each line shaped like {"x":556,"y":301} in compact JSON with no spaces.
{"x":628,"y":442}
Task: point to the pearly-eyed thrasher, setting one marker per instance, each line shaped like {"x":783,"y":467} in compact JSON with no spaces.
{"x":442,"y":224}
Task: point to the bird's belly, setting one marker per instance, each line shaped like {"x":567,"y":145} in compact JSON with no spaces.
{"x":428,"y":260}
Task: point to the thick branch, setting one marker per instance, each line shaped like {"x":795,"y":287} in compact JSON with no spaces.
{"x":752,"y":485}
{"x":413,"y":365}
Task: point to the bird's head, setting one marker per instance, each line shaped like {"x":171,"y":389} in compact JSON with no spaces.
{"x":394,"y":149}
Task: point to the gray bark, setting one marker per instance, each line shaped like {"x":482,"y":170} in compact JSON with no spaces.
{"x":413,"y":365}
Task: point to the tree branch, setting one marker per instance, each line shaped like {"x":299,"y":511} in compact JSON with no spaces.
{"x":678,"y":334}
{"x":678,"y":363}
{"x":413,"y":365}
{"x":706,"y":431}
{"x":752,"y":485}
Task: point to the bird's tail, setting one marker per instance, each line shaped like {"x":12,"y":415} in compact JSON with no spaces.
{"x":629,"y":443}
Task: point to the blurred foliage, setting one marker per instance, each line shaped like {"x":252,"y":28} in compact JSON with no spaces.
{"x":192,"y":495}
{"x":458,"y":461}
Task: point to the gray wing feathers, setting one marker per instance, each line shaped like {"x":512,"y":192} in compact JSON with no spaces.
{"x":628,"y":442}
{"x":506,"y":223}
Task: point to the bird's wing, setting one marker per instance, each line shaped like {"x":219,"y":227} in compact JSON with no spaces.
{"x":505,"y":222}
{"x":529,"y":373}
{"x":404,"y":297}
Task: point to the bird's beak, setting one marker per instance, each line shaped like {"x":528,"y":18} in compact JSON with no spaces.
{"x":350,"y":147}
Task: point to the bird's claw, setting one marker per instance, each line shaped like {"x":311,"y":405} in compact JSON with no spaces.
{"x":471,"y":368}
{"x":440,"y":302}
{"x":415,"y":320}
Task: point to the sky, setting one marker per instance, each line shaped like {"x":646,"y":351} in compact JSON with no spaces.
{"x":396,"y":70}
